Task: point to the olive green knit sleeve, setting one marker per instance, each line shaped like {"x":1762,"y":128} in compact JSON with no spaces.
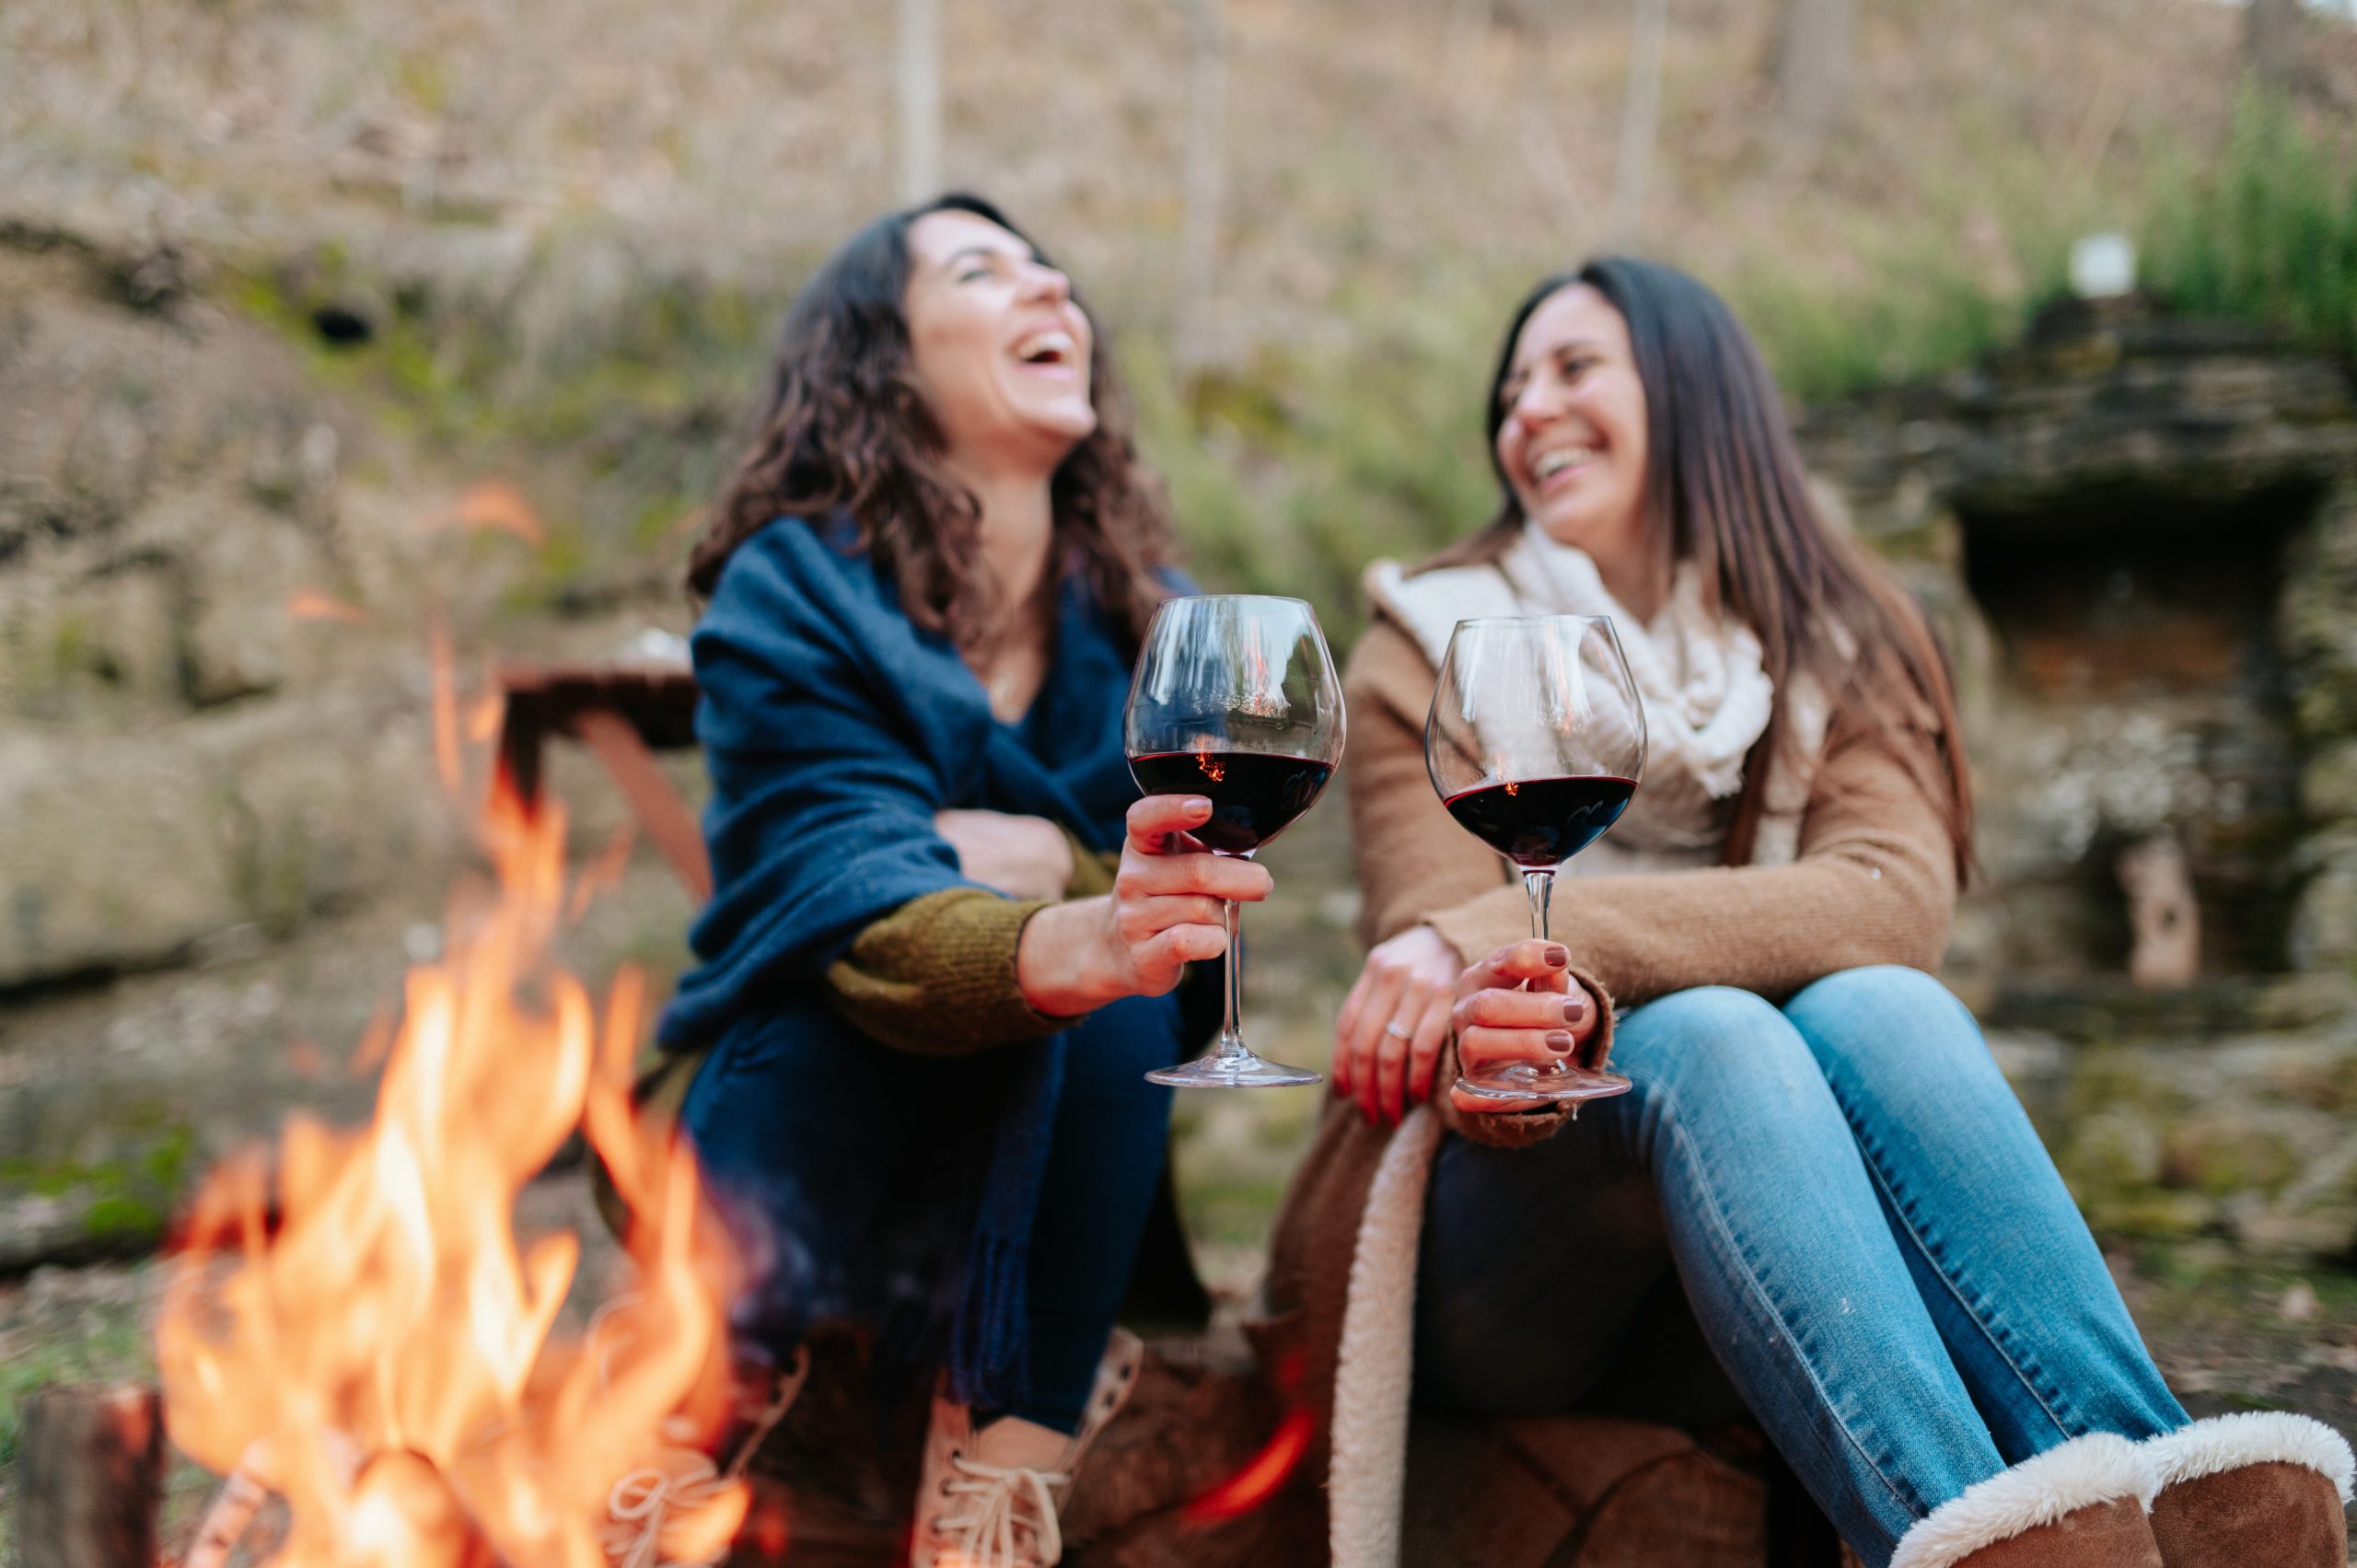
{"x":1092,"y":870}
{"x":937,"y":976}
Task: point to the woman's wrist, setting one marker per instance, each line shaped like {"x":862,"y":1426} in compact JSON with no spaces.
{"x":1057,"y":962}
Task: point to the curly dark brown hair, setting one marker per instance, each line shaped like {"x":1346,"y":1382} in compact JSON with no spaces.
{"x":841,"y":428}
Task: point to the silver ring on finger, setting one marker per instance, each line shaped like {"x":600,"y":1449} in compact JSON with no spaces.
{"x":1393,"y":1029}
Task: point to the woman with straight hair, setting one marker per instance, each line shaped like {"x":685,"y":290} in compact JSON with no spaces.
{"x":948,"y":938}
{"x":1819,"y":1173}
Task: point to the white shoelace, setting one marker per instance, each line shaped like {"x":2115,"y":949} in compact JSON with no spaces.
{"x":640,"y":1503}
{"x":989,"y":1529}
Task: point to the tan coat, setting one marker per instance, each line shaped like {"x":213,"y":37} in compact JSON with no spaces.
{"x":1875,"y":883}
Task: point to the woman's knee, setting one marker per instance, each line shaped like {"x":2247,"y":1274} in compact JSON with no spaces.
{"x":1714,"y":1037}
{"x":1861,"y":1013}
{"x":1896,"y":1033}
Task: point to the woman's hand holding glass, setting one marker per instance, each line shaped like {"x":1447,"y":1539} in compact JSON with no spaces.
{"x":1412,"y":996}
{"x":1519,"y":1005}
{"x":1163,"y":914}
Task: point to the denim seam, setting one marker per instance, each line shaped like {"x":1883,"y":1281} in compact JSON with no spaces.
{"x":1775,"y":1315}
{"x":1872,"y":1149}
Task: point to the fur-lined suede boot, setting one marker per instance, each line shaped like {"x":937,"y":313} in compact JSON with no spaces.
{"x":2080,"y":1504}
{"x":2264,"y":1489}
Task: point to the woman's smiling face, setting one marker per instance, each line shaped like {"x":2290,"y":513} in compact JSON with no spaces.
{"x":1572,"y":441}
{"x":1001,"y":351}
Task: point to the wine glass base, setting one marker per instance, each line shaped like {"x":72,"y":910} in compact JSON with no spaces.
{"x":1244,"y":1071}
{"x":1524,"y":1080}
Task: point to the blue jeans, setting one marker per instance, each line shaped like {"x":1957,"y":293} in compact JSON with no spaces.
{"x":1868,"y":1233}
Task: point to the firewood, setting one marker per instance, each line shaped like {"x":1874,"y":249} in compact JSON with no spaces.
{"x":92,"y":1473}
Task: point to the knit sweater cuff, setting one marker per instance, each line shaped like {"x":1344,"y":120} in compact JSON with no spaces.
{"x":937,"y":976}
{"x":1092,"y":870}
{"x":1481,"y":926}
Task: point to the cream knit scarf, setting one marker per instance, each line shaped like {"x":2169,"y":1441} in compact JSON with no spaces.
{"x":1707,"y":698}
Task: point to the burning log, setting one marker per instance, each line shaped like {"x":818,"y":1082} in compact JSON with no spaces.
{"x":93,"y":1475}
{"x":385,"y":1356}
{"x":232,"y":1509}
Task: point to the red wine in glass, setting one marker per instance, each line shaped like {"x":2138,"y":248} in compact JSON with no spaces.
{"x":1255,"y":796}
{"x":1540,"y":823}
{"x":1535,"y":742}
{"x":1235,"y":698}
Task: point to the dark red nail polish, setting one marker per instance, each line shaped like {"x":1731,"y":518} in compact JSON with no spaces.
{"x":1556,"y":955}
{"x":1575,"y":1010}
{"x":1560,"y":1041}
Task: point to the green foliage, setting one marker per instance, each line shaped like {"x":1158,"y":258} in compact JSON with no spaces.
{"x":1925,"y":311}
{"x":2269,"y":233}
{"x":636,"y":377}
{"x":1290,"y":475}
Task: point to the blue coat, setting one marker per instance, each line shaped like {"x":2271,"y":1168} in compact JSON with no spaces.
{"x":888,"y":1187}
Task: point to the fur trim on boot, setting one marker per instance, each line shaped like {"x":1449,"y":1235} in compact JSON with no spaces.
{"x":2264,"y":1488}
{"x":2080,"y":1504}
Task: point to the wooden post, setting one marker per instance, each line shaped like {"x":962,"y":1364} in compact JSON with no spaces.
{"x":2271,"y":40}
{"x":920,"y":91}
{"x":1640,"y":111}
{"x":1812,"y":64}
{"x":92,"y":1471}
{"x":1205,"y":163}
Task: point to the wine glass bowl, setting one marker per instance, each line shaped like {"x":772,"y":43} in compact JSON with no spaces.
{"x":1535,"y":743}
{"x":1235,"y":700}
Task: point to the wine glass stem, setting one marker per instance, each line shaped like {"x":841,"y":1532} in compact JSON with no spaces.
{"x":1231,"y":1032}
{"x":1540,"y":885}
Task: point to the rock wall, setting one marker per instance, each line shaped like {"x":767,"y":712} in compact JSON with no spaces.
{"x":2139,"y":535}
{"x":2319,"y":638}
{"x":222,"y":835}
{"x":184,"y":755}
{"x":2130,"y":526}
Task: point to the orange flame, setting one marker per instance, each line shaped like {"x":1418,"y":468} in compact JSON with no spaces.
{"x":1261,"y":1478}
{"x":361,"y":1329}
{"x":498,"y":506}
{"x":483,"y":715}
{"x":447,"y":762}
{"x":1267,"y":1472}
{"x":310,"y":604}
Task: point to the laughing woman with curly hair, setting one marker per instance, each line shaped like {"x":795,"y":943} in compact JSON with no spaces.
{"x":949,"y":939}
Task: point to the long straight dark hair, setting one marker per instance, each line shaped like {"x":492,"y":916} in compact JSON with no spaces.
{"x":1725,"y":489}
{"x":842,"y":427}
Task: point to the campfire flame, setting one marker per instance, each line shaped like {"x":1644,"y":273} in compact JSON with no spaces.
{"x":359,"y":1330}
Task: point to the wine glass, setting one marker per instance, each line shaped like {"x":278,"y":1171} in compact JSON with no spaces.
{"x":1536,"y":741}
{"x":1235,"y":698}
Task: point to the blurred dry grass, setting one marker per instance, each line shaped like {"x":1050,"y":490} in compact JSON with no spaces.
{"x":573,"y":220}
{"x":1372,"y":146}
